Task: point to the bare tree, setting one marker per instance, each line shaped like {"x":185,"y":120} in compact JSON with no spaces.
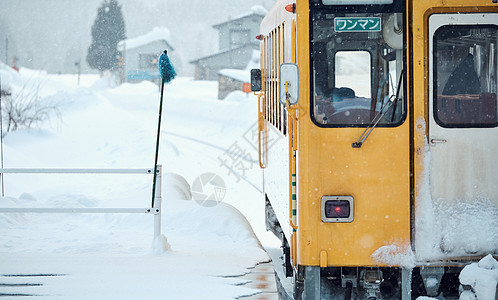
{"x":24,"y":109}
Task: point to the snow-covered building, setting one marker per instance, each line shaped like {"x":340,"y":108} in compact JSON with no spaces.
{"x":237,"y":40}
{"x":140,"y":54}
{"x":230,"y":80}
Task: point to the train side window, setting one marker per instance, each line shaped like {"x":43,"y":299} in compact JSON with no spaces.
{"x":273,"y":55}
{"x":465,"y":76}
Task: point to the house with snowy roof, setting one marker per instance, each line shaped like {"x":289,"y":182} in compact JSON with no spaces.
{"x":237,"y":40}
{"x":140,"y":54}
{"x":230,"y":80}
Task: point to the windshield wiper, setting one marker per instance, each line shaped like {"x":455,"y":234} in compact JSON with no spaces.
{"x":382,"y":112}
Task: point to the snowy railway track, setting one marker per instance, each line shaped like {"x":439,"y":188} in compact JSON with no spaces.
{"x":262,"y":278}
{"x":25,"y":285}
{"x":224,"y":150}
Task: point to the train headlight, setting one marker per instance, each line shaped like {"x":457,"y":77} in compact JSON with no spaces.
{"x":337,"y":209}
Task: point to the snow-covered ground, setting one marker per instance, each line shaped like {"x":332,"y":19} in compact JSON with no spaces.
{"x":112,"y":256}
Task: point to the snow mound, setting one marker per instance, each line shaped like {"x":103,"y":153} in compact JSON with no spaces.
{"x":13,"y":219}
{"x":31,"y":73}
{"x":236,"y":96}
{"x":219,"y":219}
{"x":136,"y":88}
{"x":176,"y":187}
{"x":160,"y":245}
{"x":14,"y":81}
{"x":5,"y":80}
{"x":482,"y":277}
{"x":72,"y":201}
{"x":8,"y":76}
{"x":108,"y":80}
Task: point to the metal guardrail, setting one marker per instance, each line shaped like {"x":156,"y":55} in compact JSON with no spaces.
{"x":155,"y":209}
{"x":76,"y":171}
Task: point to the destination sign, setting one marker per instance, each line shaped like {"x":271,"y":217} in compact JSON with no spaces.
{"x":356,"y":24}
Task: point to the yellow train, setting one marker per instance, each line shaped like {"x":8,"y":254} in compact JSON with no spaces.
{"x":378,"y":130}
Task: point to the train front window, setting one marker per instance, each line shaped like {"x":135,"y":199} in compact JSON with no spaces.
{"x":465,"y":76}
{"x":352,"y":69}
{"x":357,"y":60}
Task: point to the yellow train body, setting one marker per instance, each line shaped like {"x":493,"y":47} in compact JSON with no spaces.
{"x":305,"y":159}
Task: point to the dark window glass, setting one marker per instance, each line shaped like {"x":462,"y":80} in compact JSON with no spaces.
{"x":465,"y":76}
{"x":357,"y":61}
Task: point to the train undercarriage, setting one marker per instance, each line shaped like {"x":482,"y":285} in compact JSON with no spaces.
{"x":313,"y":282}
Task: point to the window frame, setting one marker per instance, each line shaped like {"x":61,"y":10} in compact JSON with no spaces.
{"x":317,"y":9}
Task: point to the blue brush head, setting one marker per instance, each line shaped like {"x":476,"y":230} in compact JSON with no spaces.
{"x":166,"y":68}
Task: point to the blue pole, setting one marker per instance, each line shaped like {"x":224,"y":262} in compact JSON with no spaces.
{"x":168,"y":73}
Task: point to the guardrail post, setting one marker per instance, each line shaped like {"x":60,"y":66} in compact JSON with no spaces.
{"x":157,"y":203}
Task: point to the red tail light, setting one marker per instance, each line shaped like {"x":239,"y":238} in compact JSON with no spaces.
{"x":337,"y":209}
{"x":291,"y":8}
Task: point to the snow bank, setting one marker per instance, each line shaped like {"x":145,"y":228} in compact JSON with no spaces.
{"x":160,"y":244}
{"x":482,"y":278}
{"x":176,"y":187}
{"x":236,"y":96}
{"x":8,"y":76}
{"x":479,"y":280}
{"x":14,"y":81}
{"x":110,"y":256}
{"x":219,"y":219}
{"x":204,"y":246}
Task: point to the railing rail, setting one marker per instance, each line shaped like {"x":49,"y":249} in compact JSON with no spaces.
{"x":75,"y":171}
{"x":154,"y":209}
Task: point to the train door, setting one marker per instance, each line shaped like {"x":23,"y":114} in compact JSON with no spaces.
{"x":463,"y":128}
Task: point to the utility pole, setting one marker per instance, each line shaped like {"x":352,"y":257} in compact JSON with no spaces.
{"x":6,"y":51}
{"x":78,"y":65}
